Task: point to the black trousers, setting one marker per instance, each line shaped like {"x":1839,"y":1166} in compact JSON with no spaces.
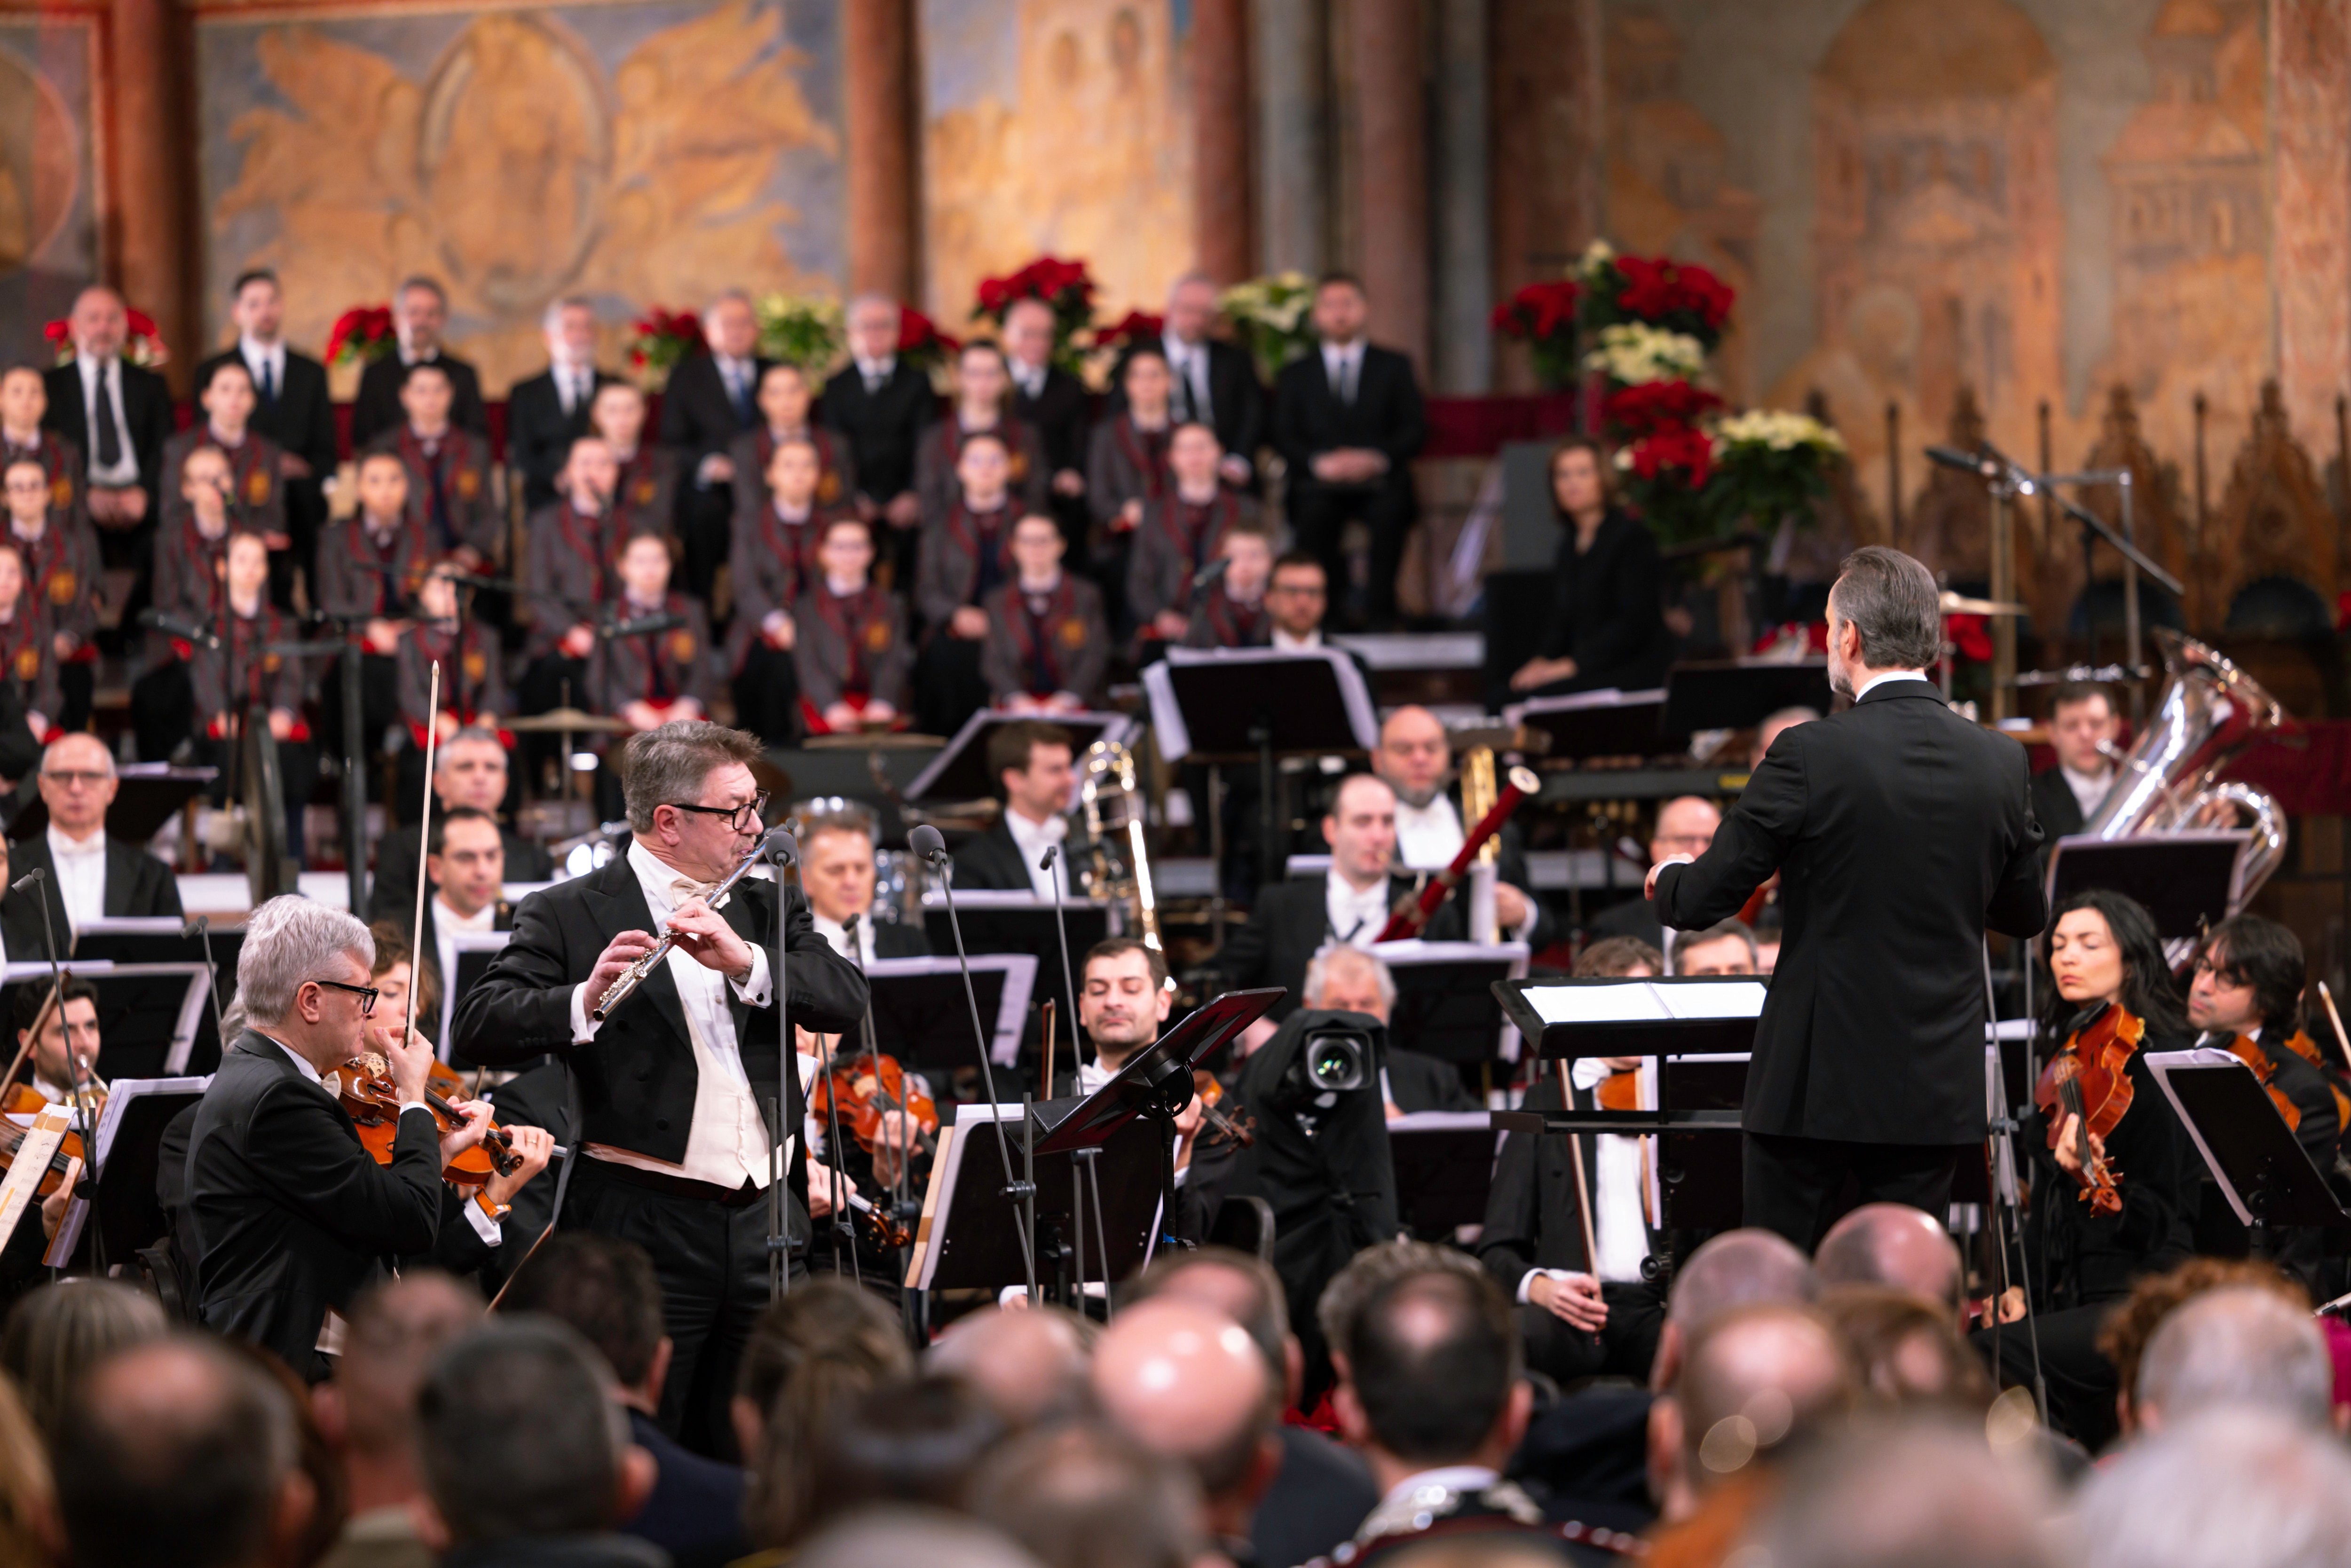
{"x":768,"y":695}
{"x":712,"y":1261}
{"x":2081,"y":1383}
{"x":1801,"y":1186}
{"x":1625,"y":1345}
{"x":1319,"y":515}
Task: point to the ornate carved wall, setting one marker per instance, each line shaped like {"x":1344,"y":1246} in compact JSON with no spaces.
{"x":52,"y":165}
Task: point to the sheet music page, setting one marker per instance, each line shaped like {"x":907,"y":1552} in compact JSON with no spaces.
{"x":1633,"y":1003}
{"x":1730,"y":999}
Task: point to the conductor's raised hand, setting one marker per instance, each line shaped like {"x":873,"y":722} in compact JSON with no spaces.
{"x":612,"y":963}
{"x":704,"y":935}
{"x":1649,"y":888}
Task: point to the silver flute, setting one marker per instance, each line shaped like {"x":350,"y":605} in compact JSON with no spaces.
{"x":621,"y":989}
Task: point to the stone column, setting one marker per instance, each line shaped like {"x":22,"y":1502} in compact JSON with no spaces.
{"x":1465,"y":254}
{"x":1220,"y":109}
{"x":1292,"y":156}
{"x":878,"y":58}
{"x":2309,"y":98}
{"x":1546,"y":146}
{"x":1391,"y":171}
{"x":154,"y":255}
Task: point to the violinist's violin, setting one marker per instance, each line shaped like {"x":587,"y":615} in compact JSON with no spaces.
{"x":364,"y":1086}
{"x":24,"y":1100}
{"x":2247,"y":1049}
{"x":1237,"y":1125}
{"x":2089,"y":1078}
{"x":865,"y":1088}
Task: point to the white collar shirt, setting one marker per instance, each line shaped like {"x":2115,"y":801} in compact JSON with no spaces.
{"x":2089,"y":788}
{"x":1032,"y":839}
{"x":727,"y":1143}
{"x":1191,"y":363}
{"x":125,"y":470}
{"x":1356,"y":919}
{"x":1881,"y":679}
{"x":837,"y":934}
{"x":267,"y":363}
{"x":1028,"y":378}
{"x":1284,"y":640}
{"x":1343,"y":364}
{"x":81,"y":876}
{"x":1428,"y":837}
{"x":873,"y":372}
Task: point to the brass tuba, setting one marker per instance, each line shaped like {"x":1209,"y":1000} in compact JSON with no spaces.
{"x":1117,"y":869}
{"x":2165,"y":783}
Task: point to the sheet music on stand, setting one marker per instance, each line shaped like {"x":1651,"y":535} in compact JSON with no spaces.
{"x":130,"y":1134}
{"x":1610,"y":1016}
{"x":1444,"y":1164}
{"x":920,"y":1011}
{"x":2184,"y":881}
{"x":1007,"y":920}
{"x":1445,"y":1005}
{"x":1603,"y":722}
{"x":959,"y":771}
{"x":2263,"y":1172}
{"x":966,"y":1238}
{"x":1207,"y":700}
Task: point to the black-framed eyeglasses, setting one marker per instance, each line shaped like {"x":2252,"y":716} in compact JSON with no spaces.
{"x":757,"y":806}
{"x":366,"y":994}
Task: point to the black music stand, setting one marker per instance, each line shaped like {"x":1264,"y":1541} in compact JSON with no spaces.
{"x":2263,"y":1170}
{"x":1445,"y":1166}
{"x":958,"y":770}
{"x":159,"y":939}
{"x":146,"y":796}
{"x":1735,"y":694}
{"x":129,"y":1215}
{"x":996,"y":921}
{"x":1590,"y":724}
{"x":154,"y":1020}
{"x":920,"y":1011}
{"x":969,"y":1238}
{"x":1445,"y":997}
{"x":475,"y":950}
{"x":2185,"y":880}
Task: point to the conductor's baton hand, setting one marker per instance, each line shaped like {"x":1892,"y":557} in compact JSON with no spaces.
{"x":1649,"y":888}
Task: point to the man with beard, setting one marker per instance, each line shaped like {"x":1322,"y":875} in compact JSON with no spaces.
{"x":1415,"y":757}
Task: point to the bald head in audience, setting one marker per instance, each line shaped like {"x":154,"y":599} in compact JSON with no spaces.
{"x":368,"y":1412}
{"x":1758,"y":1379}
{"x":1244,"y":1288}
{"x":1736,"y":1268}
{"x":2239,"y":1345}
{"x":1891,"y":1244}
{"x":1030,"y":1364}
{"x":1887,"y":1494}
{"x":1187,"y":1383}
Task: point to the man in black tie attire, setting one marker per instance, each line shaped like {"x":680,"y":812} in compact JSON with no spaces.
{"x":1348,"y":420}
{"x":712,"y":399}
{"x":292,"y":408}
{"x":679,"y":1087}
{"x":2082,"y":724}
{"x":1052,"y":403}
{"x":882,"y":404}
{"x":1215,"y":381}
{"x":548,"y":413}
{"x":1902,"y":832}
{"x":120,"y":416}
{"x":419,"y":314}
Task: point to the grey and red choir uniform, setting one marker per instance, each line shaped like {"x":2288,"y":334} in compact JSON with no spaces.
{"x":364,"y":570}
{"x":473,"y":687}
{"x":186,"y":586}
{"x":60,"y":459}
{"x":1126,"y":463}
{"x":61,"y":573}
{"x":655,"y":667}
{"x":935,"y":485}
{"x":773,"y":563}
{"x":1220,"y":621}
{"x":644,"y":496}
{"x":257,"y":494}
{"x":1045,"y":644}
{"x":1174,"y":540}
{"x":449,"y":493}
{"x":966,"y":554}
{"x":851,"y":648}
{"x":243,"y":669}
{"x":836,"y":470}
{"x":567,"y":573}
{"x":29,"y":657}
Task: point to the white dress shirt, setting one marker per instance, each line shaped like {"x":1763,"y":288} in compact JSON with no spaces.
{"x":1878,"y":680}
{"x":574,"y":385}
{"x":1030,"y":839}
{"x":873,"y":372}
{"x":267,"y":362}
{"x":81,"y":876}
{"x":1191,"y":363}
{"x":1028,"y":378}
{"x":125,"y":472}
{"x":1356,"y":919}
{"x":1428,"y":837}
{"x":1290,"y":644}
{"x":727,"y":1145}
{"x":835,"y":933}
{"x":2089,"y":788}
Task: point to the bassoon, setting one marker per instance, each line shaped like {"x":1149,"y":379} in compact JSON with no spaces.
{"x":1412,"y":918}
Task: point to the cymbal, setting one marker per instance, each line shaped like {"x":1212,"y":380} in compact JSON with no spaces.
{"x":555,"y":721}
{"x":1958,"y":604}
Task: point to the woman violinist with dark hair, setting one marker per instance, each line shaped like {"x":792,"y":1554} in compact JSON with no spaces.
{"x":2113,"y":1170}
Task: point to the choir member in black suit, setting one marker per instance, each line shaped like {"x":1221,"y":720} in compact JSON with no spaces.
{"x":246,"y":670}
{"x":449,"y":491}
{"x":675,"y":1118}
{"x":61,"y":572}
{"x":2081,"y":721}
{"x":24,"y":405}
{"x":293,"y":1217}
{"x":28,"y":655}
{"x":1033,"y":763}
{"x":256,"y":494}
{"x":548,"y":412}
{"x":656,"y":677}
{"x":419,"y":314}
{"x":1908,"y":832}
{"x":1052,"y":401}
{"x":882,"y":404}
{"x":965,"y":556}
{"x":1607,"y":625}
{"x":983,"y":391}
{"x":295,"y":411}
{"x":1215,"y":381}
{"x":1230,"y":612}
{"x":1348,"y":420}
{"x":644,"y":478}
{"x":1293,"y":921}
{"x":1180,"y":532}
{"x":1048,"y":646}
{"x":117,"y":416}
{"x":186,"y":586}
{"x":849,"y":637}
{"x":711,"y":400}
{"x":773,"y":564}
{"x":371,"y":564}
{"x":786,"y":401}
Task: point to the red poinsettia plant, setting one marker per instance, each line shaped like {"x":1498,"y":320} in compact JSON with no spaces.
{"x":659,"y":342}
{"x":1134,"y":327}
{"x":1064,"y":286}
{"x":1663,"y":476}
{"x":142,"y":343}
{"x":921,"y":343}
{"x":1542,"y":317}
{"x":1679,"y":296}
{"x":360,"y":334}
{"x":1655,"y":407}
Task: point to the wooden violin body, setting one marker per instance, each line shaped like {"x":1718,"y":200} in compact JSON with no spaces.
{"x":365,"y":1087}
{"x":2089,"y":1078}
{"x":1236,"y":1124}
{"x":861,"y":1090}
{"x":24,"y":1100}
{"x":2247,"y":1049}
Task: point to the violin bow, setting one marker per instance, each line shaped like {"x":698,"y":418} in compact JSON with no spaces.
{"x":41,"y":1021}
{"x":1049,"y":1048}
{"x":423,"y":852}
{"x":1575,"y":1158}
{"x":2336,"y":1019}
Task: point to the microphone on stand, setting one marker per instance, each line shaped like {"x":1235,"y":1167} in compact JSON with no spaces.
{"x":1061,"y":924}
{"x":1968,"y":462}
{"x":202,"y":926}
{"x":779,"y":848}
{"x":931,"y":849}
{"x":1210,"y":573}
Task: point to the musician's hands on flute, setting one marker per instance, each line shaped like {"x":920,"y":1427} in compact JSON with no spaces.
{"x":619,"y":953}
{"x":704,"y":935}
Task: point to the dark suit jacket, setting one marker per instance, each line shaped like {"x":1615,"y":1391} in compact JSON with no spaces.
{"x":637,"y":1078}
{"x":302,"y":420}
{"x":882,"y":428}
{"x":539,"y":435}
{"x":1320,"y":1495}
{"x":1387,"y":414}
{"x":1058,"y":415}
{"x":1901,"y":832}
{"x":696,"y":1512}
{"x":292,"y":1214}
{"x":394,"y":896}
{"x":137,"y":883}
{"x":1289,"y":922}
{"x":990,"y":859}
{"x":1236,"y":398}
{"x":1417,"y":1082}
{"x":146,"y":417}
{"x":376,"y":407}
{"x":1607,"y":607}
{"x":2055,"y":804}
{"x":901,"y":939}
{"x":697,"y":417}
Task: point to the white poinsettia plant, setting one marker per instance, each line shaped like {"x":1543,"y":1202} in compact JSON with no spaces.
{"x":1778,"y":429}
{"x":1633,"y":354}
{"x":1771,"y":465}
{"x":1271,"y":315}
